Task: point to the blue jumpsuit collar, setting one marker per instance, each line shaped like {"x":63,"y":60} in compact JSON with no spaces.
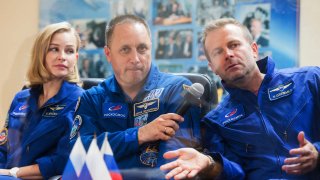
{"x":266,"y":66}
{"x":152,"y":79}
{"x":151,"y":82}
{"x":65,"y":91}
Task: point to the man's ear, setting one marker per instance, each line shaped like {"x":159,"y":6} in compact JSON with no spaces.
{"x":211,"y":66}
{"x":255,"y":50}
{"x":107,"y":53}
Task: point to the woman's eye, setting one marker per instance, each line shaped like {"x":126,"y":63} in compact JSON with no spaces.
{"x":70,"y":51}
{"x":53,"y":49}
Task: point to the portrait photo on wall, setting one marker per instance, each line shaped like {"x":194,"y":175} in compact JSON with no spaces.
{"x":172,"y":44}
{"x":213,"y":9}
{"x":93,"y":65}
{"x":139,"y":8}
{"x":257,"y":18}
{"x":201,"y":55}
{"x":170,"y":12}
{"x":173,"y":22}
{"x":91,"y":32}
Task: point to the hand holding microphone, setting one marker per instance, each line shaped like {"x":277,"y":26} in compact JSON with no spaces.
{"x":166,"y":125}
{"x":191,"y":96}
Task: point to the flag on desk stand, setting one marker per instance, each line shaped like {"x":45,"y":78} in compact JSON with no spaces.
{"x":95,"y":163}
{"x":76,"y":161}
{"x":106,"y":151}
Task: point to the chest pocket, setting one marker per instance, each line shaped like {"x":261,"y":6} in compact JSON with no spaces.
{"x":53,"y":111}
{"x":289,"y":109}
{"x":115,"y":116}
{"x":242,"y":141}
{"x":241,"y":130}
{"x":112,"y":110}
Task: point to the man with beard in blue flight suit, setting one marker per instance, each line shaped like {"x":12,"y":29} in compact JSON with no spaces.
{"x":136,"y":105}
{"x":268,"y":125}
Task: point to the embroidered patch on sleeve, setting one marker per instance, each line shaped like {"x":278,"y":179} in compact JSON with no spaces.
{"x":75,"y":126}
{"x":3,"y":136}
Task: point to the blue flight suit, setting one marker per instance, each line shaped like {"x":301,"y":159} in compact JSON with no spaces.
{"x":257,"y":132}
{"x":40,"y":136}
{"x":107,"y":109}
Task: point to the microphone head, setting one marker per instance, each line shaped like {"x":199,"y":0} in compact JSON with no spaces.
{"x":196,"y":90}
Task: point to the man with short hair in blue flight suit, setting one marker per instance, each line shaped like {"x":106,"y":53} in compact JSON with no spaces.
{"x":136,"y":106}
{"x":268,"y":127}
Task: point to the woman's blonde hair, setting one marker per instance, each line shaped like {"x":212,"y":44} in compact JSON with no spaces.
{"x":37,"y":73}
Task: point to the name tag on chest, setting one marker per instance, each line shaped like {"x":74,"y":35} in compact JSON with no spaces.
{"x":281,"y":91}
{"x":53,"y":111}
{"x":146,"y":107}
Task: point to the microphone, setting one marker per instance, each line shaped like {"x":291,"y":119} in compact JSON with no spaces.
{"x":191,"y":96}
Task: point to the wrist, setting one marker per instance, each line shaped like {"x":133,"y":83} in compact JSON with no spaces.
{"x":14,"y":172}
{"x":140,"y":135}
{"x":211,"y":162}
{"x":213,"y":168}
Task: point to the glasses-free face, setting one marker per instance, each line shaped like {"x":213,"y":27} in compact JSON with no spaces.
{"x":62,"y":55}
{"x":130,"y":54}
{"x":232,"y":57}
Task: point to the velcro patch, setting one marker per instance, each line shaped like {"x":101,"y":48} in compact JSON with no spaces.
{"x":281,"y":91}
{"x":234,"y":114}
{"x":115,"y":110}
{"x":53,"y":111}
{"x":21,"y":110}
{"x":146,"y":107}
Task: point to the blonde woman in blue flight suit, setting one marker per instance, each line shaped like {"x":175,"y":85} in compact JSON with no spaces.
{"x":34,"y":141}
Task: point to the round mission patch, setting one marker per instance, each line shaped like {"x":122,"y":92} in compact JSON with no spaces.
{"x":3,"y":136}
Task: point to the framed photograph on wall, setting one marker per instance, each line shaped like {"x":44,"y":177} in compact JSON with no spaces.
{"x":176,"y":27}
{"x":174,"y":44}
{"x":171,"y":12}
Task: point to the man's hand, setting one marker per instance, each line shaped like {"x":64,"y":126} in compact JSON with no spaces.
{"x":305,"y":159}
{"x":162,"y":128}
{"x":188,"y":164}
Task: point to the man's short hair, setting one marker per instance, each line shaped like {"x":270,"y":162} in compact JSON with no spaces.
{"x":129,"y":18}
{"x":220,"y":23}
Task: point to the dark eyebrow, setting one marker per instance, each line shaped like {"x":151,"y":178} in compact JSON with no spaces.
{"x":233,"y":41}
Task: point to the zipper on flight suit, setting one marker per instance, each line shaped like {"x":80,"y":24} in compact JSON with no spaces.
{"x":269,"y":135}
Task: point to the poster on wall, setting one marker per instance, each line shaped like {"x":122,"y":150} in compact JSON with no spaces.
{"x":275,"y":28}
{"x":176,"y":27}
